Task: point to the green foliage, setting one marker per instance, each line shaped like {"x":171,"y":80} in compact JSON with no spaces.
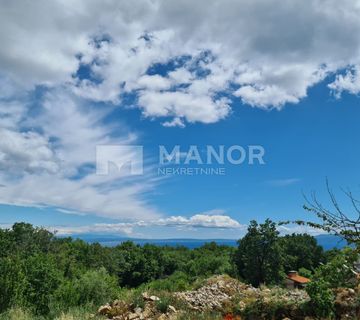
{"x":162,"y":305}
{"x":305,"y":273}
{"x":178,"y":281}
{"x":259,"y":258}
{"x":42,"y":280}
{"x":322,"y":299}
{"x":18,"y":314}
{"x":137,"y":299}
{"x":93,"y":287}
{"x":59,"y":278}
{"x":301,"y":251}
{"x":338,"y":272}
{"x":12,"y":282}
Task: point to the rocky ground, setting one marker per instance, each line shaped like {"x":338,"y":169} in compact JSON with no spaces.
{"x":226,"y":296}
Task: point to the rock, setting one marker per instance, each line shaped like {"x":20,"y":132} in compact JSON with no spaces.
{"x":133,"y":316}
{"x":242,"y":305}
{"x":154,"y":298}
{"x":104,"y":310}
{"x":172,"y":309}
{"x":162,"y":317}
{"x":138,"y":310}
{"x":147,"y":313}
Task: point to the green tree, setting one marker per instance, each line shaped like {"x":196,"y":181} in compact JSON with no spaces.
{"x":301,"y":251}
{"x":258,"y":256}
{"x":43,"y":278}
{"x":12,"y":282}
{"x":94,"y":287}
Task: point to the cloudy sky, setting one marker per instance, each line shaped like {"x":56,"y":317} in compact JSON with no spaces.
{"x":75,"y":75}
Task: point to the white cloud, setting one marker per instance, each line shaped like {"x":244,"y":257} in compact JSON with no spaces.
{"x":268,"y":53}
{"x":54,"y":164}
{"x":184,"y":105}
{"x":154,"y":82}
{"x":196,"y":221}
{"x":300,"y":229}
{"x":201,"y":221}
{"x":204,"y":221}
{"x":176,"y":122}
{"x":26,"y":152}
{"x":349,"y":82}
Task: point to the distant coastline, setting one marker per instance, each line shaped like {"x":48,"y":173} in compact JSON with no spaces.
{"x":326,"y":241}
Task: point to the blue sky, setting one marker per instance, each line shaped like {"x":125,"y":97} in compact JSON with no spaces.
{"x":157,"y":81}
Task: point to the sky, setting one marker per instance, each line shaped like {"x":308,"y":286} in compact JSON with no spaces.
{"x":87,"y":83}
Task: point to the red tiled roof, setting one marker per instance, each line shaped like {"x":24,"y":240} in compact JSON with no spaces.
{"x":297,"y":278}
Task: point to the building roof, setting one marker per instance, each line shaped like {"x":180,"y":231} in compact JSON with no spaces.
{"x":296,"y":278}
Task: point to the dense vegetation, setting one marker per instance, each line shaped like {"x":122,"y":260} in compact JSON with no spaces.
{"x":47,"y":275}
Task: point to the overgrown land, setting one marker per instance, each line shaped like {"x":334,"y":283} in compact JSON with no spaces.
{"x":46,"y":277}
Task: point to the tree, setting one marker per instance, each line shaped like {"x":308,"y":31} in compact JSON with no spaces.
{"x":301,"y":251}
{"x":258,"y":257}
{"x":12,"y":282}
{"x":42,"y":278}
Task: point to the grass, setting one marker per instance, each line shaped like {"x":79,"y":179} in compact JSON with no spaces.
{"x":73,"y":314}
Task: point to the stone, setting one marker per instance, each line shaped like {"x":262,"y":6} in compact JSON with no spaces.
{"x":138,"y":310}
{"x":154,"y":298}
{"x":172,"y":309}
{"x":104,"y":310}
{"x":133,"y":316}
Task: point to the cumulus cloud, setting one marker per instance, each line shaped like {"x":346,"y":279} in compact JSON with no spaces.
{"x":180,"y":58}
{"x":26,"y":152}
{"x":196,"y":221}
{"x":349,"y":82}
{"x":201,"y":221}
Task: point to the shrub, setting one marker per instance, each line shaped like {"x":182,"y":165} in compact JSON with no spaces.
{"x":94,"y":287}
{"x":18,"y":314}
{"x":178,"y":281}
{"x":322,"y":299}
{"x":12,"y":283}
{"x":137,"y":299}
{"x":42,"y":279}
{"x":338,"y":271}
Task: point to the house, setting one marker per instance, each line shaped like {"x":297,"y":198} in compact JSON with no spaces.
{"x":293,"y":281}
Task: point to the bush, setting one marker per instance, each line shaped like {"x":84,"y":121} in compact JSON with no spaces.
{"x":338,"y":271}
{"x":178,"y":281}
{"x":12,"y":283}
{"x":322,"y":299}
{"x":18,"y":314}
{"x":42,"y":279}
{"x":162,"y":305}
{"x":94,"y":287}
